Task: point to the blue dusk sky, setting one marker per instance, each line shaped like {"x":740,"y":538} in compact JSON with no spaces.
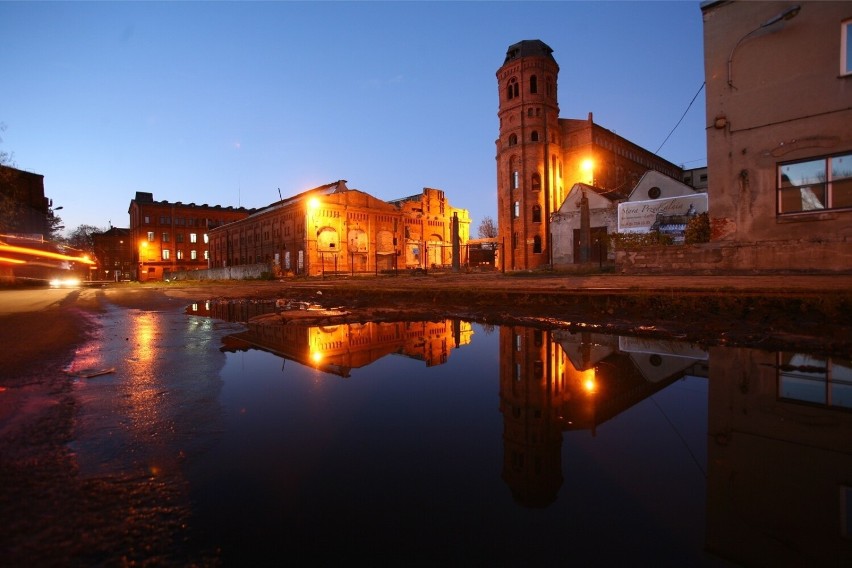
{"x":226,"y":102}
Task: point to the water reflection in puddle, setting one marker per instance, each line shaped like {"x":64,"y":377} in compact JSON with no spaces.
{"x":451,"y":442}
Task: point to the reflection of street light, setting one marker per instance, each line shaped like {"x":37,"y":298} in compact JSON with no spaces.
{"x":143,"y":249}
{"x":787,"y":14}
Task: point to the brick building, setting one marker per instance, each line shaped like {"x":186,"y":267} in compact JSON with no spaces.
{"x":167,"y":236}
{"x":541,"y":156}
{"x":114,"y":253}
{"x":332,"y":228}
{"x":23,"y":206}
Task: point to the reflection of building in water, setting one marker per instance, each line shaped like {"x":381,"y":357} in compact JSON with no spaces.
{"x":231,"y":310}
{"x":780,"y":479}
{"x":551,"y":382}
{"x":339,"y":348}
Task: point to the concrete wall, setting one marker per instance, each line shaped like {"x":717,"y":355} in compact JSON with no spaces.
{"x":774,"y":96}
{"x":246,"y":272}
{"x":806,"y":255}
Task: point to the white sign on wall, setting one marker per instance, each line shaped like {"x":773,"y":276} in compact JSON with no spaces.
{"x":638,"y":216}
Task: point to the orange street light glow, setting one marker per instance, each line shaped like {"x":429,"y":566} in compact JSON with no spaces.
{"x":43,"y":253}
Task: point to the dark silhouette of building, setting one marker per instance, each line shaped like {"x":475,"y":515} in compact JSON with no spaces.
{"x":114,"y":254}
{"x":23,"y":206}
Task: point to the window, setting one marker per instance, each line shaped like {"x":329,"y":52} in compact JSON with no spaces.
{"x":206,"y":255}
{"x":166,"y":254}
{"x":193,"y":254}
{"x":193,"y":237}
{"x":534,"y":136}
{"x":513,"y":139}
{"x":815,"y":185}
{"x":537,"y":244}
{"x":206,"y":239}
{"x":179,"y":237}
{"x":535,"y":182}
{"x":533,"y":84}
{"x":165,"y":237}
{"x":846,"y":48}
{"x":516,"y":210}
{"x":813,"y":379}
{"x":536,"y":214}
{"x":516,"y":180}
{"x":147,"y":220}
{"x":150,"y":236}
{"x":512,"y":89}
{"x":179,"y":254}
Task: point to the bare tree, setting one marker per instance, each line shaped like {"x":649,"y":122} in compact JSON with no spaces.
{"x":81,"y":238}
{"x":487,"y":228}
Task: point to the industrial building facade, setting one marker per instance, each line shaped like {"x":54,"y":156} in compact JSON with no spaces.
{"x":170,"y":237}
{"x":335,"y":229}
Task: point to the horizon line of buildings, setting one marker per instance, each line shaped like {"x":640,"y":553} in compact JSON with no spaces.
{"x":778,"y":180}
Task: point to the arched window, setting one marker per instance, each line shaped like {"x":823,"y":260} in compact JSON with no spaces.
{"x":533,"y":85}
{"x":516,"y":210}
{"x":536,"y":214}
{"x":513,"y":139}
{"x":537,"y":244}
{"x":512,"y":89}
{"x":535,"y":182}
{"x":534,"y":136}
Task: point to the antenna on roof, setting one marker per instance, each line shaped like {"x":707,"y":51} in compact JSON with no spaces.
{"x":279,"y":195}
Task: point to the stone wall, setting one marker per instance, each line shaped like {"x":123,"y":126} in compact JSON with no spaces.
{"x":245,"y":272}
{"x":802,"y":256}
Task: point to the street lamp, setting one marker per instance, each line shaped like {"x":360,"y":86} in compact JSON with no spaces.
{"x":787,"y":14}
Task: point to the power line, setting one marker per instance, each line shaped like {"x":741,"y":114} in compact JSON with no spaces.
{"x":681,"y":118}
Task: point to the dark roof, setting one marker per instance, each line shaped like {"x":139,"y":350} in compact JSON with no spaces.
{"x":528,"y":48}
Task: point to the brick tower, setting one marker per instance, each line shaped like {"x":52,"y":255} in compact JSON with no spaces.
{"x":529,"y":160}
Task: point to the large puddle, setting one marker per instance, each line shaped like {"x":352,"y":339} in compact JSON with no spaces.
{"x":449,"y":442}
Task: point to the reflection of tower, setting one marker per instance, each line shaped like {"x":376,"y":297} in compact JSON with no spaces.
{"x":530,"y":380}
{"x":528,"y":153}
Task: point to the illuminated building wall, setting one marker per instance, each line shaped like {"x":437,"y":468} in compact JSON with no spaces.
{"x":173,"y":236}
{"x":335,"y":229}
{"x":541,"y":156}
